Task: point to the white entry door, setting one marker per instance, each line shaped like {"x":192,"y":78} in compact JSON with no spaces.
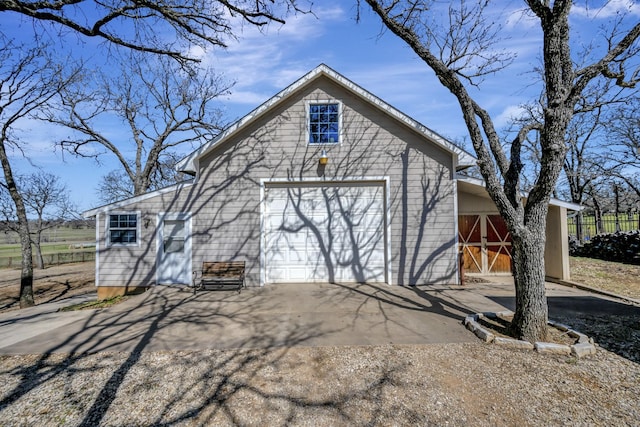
{"x":174,"y":249}
{"x":325,"y":232}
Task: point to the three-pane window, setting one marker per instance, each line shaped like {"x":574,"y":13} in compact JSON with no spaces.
{"x":123,"y":229}
{"x":324,"y":123}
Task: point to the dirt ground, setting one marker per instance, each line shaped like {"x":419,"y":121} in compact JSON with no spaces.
{"x":622,"y":279}
{"x":51,"y":284}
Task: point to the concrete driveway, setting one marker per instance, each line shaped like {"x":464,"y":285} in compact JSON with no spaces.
{"x":171,"y":318}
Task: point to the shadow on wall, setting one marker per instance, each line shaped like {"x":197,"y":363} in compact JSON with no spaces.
{"x":424,"y":248}
{"x":227,"y":177}
{"x":345,"y":223}
{"x":338,"y":231}
{"x":332,"y":232}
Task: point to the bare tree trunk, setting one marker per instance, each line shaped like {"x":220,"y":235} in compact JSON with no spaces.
{"x":530,"y":319}
{"x":37,"y":244}
{"x":26,"y":275}
{"x":598,"y":213}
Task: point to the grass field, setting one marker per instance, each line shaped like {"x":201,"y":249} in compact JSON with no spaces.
{"x":47,"y":248}
{"x":59,"y":240}
{"x":54,"y":235}
{"x":625,"y":223}
{"x":622,"y":279}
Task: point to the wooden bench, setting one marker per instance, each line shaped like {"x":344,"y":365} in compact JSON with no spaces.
{"x":219,"y":275}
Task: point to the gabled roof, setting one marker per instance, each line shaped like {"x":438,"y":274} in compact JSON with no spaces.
{"x":477,"y":187}
{"x":189,"y":163}
{"x":136,"y":199}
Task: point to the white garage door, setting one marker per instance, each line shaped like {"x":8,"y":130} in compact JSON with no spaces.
{"x":320,"y":233}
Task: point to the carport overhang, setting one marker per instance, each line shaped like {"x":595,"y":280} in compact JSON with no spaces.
{"x":473,"y":198}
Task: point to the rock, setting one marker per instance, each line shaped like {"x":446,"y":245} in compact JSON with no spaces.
{"x":581,"y":338}
{"x":583,"y":349}
{"x":468,"y":319}
{"x":559,"y":326}
{"x":552,"y":348}
{"x":484,"y":335}
{"x":513,"y":343}
{"x":507,"y":315}
{"x":480,"y":332}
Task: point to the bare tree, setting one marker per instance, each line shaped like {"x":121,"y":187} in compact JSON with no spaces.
{"x":8,"y":217}
{"x":601,"y":154}
{"x":28,"y":83}
{"x":160,"y":105}
{"x":460,"y":48}
{"x":583,"y":164}
{"x":47,"y":200}
{"x":623,"y":129}
{"x":136,"y":25}
{"x":116,"y":185}
{"x":47,"y":203}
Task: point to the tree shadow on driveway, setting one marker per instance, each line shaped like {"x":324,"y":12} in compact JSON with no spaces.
{"x":158,"y":320}
{"x":247,"y":333}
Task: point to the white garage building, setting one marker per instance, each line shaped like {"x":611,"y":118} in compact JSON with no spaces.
{"x":324,"y":182}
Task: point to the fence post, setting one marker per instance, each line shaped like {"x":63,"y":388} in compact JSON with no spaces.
{"x":616,"y":192}
{"x":579,"y":231}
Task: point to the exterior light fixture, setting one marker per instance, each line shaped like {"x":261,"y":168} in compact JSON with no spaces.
{"x":324,"y":159}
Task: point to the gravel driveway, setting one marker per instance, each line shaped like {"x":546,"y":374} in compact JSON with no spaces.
{"x":468,"y":384}
{"x":458,"y":383}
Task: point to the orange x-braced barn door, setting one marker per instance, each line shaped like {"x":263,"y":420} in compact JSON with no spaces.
{"x":485,"y":243}
{"x":470,"y":240}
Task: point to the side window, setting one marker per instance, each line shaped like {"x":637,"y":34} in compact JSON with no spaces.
{"x":324,"y":123}
{"x":123,"y":229}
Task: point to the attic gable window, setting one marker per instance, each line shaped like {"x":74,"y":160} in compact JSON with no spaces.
{"x":324,"y":123}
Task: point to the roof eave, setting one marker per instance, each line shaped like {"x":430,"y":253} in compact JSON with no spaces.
{"x":135,"y":199}
{"x":553,"y":201}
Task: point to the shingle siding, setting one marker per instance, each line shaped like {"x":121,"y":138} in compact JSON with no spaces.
{"x":225,"y":200}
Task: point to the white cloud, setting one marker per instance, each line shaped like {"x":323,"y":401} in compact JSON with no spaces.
{"x":520,"y":19}
{"x":507,"y":115}
{"x":247,"y":97}
{"x":609,"y":9}
{"x":262,"y":62}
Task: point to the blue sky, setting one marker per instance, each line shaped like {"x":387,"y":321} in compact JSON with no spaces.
{"x":263,"y":63}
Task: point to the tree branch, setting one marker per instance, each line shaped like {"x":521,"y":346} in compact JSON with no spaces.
{"x":201,"y":22}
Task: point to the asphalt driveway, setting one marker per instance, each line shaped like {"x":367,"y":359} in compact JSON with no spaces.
{"x":171,"y":318}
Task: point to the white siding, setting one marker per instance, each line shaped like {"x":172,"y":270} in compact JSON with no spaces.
{"x":225,"y":201}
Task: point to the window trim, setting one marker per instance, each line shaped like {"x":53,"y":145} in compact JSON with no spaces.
{"x":307,"y":128}
{"x":108,"y":229}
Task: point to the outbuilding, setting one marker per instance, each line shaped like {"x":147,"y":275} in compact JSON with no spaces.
{"x":324,"y":182}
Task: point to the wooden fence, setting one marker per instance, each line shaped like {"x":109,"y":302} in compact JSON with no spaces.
{"x":51,"y":259}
